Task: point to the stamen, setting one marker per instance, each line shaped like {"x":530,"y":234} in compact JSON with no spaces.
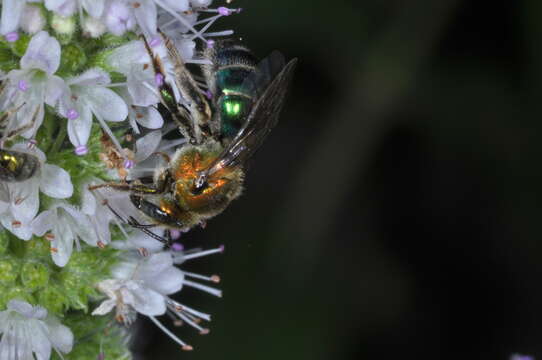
{"x":16,"y":224}
{"x":12,"y":36}
{"x":177,"y":247}
{"x":32,"y":144}
{"x":159,"y":80}
{"x":23,"y":85}
{"x":81,"y":150}
{"x":205,"y":288}
{"x":54,"y":250}
{"x":128,"y":164}
{"x":49,"y":236}
{"x":101,"y":245}
{"x":170,"y":334}
{"x":72,"y":114}
{"x":204,"y":316}
{"x":203,"y":253}
{"x":212,"y":278}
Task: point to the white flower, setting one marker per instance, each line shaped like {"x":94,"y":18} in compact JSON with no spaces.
{"x":64,"y":224}
{"x":35,"y":83}
{"x":94,"y":8}
{"x":88,"y":95}
{"x":12,"y":11}
{"x":19,"y":201}
{"x":99,"y":215}
{"x":28,"y":331}
{"x":33,"y":19}
{"x":93,"y":27}
{"x":132,"y":60}
{"x":118,"y":17}
{"x":140,"y":283}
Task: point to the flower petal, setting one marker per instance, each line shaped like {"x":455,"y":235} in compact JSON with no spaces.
{"x":56,"y":182}
{"x":62,"y":244}
{"x":148,"y":302}
{"x":91,"y":77}
{"x":60,"y":336}
{"x":61,"y":7}
{"x":147,"y":145}
{"x":170,"y":281}
{"x":105,"y":307}
{"x":54,"y":90}
{"x":79,"y":129}
{"x":149,"y":118}
{"x":25,"y":199}
{"x":11,"y":15}
{"x":105,"y":103}
{"x":145,"y":14}
{"x":22,"y":231}
{"x":43,"y":53}
{"x":44,"y":222}
{"x":94,"y":8}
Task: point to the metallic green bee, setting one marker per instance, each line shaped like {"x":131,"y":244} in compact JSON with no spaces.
{"x":15,"y":166}
{"x":205,"y":175}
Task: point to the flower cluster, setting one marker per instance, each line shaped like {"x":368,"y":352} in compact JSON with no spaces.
{"x":78,"y":94}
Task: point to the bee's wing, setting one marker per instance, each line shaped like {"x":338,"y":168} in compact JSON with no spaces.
{"x":263,"y":117}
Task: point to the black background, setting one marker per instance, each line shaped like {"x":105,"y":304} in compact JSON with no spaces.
{"x":394,"y":212}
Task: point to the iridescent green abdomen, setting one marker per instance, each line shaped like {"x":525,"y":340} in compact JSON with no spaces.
{"x":233,"y":95}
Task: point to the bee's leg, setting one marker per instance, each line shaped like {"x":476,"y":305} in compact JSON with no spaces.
{"x":135,"y":224}
{"x":135,"y":187}
{"x":163,"y":214}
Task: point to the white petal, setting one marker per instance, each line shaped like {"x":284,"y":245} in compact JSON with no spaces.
{"x":11,"y":15}
{"x":124,"y":57}
{"x":44,"y":222}
{"x":105,"y":307}
{"x":62,"y":243}
{"x":147,"y":145}
{"x":56,"y":182}
{"x":170,"y":281}
{"x":91,"y":77}
{"x":39,"y":343}
{"x":79,"y":225}
{"x":146,"y":16}
{"x":56,"y":87}
{"x":94,"y":8}
{"x":106,"y":103}
{"x":79,"y":129}
{"x":151,"y":118}
{"x":60,"y":336}
{"x":177,"y":5}
{"x":25,"y":199}
{"x":43,"y":53}
{"x":22,"y":307}
{"x":61,"y":7}
{"x":148,"y":302}
{"x":23,"y":231}
{"x":88,"y":203}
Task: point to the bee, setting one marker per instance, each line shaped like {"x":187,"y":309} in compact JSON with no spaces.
{"x":15,"y":166}
{"x":207,"y":173}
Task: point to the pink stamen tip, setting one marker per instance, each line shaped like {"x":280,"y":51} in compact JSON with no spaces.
{"x":81,"y":150}
{"x":209,"y":94}
{"x":187,"y":348}
{"x":205,"y":332}
{"x":224,"y":11}
{"x":177,"y":247}
{"x":222,"y":248}
{"x":72,"y":114}
{"x":32,"y":144}
{"x":22,"y":85}
{"x":128,"y":164}
{"x":175,"y":234}
{"x":12,"y":36}
{"x":155,"y":42}
{"x":210,"y":44}
{"x":16,"y":224}
{"x":159,"y":79}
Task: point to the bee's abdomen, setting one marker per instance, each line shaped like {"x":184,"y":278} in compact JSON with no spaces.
{"x":232,"y":65}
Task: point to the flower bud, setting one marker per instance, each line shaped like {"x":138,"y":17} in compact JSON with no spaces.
{"x":32,"y":19}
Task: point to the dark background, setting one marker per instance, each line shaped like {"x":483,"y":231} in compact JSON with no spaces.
{"x":394,"y":212}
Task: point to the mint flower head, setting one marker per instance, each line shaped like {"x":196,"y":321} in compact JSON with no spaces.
{"x":79,"y":107}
